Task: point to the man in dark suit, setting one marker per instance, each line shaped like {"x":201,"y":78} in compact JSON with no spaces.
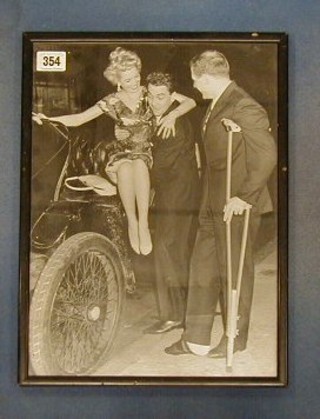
{"x":175,"y":180}
{"x":253,"y":160}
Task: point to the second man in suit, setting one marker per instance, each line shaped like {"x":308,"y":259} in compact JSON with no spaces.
{"x":254,"y":158}
{"x":176,"y":183}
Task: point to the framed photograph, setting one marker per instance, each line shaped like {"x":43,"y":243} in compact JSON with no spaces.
{"x":153,"y":243}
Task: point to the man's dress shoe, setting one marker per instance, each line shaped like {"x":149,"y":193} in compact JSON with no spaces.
{"x":220,"y":351}
{"x":163,"y":327}
{"x":178,"y":348}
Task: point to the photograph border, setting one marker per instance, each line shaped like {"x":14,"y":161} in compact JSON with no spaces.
{"x":281,"y":40}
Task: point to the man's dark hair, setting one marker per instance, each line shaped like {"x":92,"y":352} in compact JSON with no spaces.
{"x":161,"y":79}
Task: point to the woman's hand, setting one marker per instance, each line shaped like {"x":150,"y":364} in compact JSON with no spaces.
{"x":167,"y":126}
{"x":38,"y":117}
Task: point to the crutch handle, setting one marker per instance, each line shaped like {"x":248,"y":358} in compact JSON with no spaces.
{"x":230,"y":125}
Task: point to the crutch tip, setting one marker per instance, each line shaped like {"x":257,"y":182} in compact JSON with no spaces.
{"x":229,"y":369}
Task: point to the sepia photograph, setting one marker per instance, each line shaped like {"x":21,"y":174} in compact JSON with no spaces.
{"x":153,"y":226}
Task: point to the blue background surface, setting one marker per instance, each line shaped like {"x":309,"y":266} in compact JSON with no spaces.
{"x":300,"y":19}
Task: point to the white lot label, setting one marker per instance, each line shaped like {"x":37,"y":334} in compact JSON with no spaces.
{"x":51,"y":61}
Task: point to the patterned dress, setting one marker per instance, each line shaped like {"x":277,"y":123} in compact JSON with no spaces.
{"x":139,"y":126}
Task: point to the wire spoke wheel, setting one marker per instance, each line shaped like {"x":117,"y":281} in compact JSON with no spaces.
{"x":76,"y":307}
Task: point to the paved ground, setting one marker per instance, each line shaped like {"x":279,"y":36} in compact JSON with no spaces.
{"x":138,"y":354}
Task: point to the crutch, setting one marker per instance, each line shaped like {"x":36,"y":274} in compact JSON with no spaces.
{"x":233,"y":292}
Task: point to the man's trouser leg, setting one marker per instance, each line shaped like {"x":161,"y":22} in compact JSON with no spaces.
{"x":162,"y":270}
{"x":204,"y":285}
{"x":171,"y":254}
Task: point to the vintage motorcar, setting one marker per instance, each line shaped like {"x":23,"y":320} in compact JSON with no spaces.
{"x":80,"y":268}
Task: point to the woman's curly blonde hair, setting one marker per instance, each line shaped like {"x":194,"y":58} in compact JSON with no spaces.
{"x":121,"y":60}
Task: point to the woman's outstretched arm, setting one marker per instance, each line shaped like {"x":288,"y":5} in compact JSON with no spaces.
{"x":74,"y":120}
{"x":186,"y":104}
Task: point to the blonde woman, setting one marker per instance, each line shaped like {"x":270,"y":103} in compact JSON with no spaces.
{"x":131,"y":159}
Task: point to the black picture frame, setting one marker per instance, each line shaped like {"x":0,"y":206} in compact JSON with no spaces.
{"x":257,"y":60}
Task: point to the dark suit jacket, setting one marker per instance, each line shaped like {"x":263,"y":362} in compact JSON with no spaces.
{"x":174,"y":173}
{"x":254,"y":151}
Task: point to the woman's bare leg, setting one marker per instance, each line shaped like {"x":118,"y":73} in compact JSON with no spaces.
{"x":126,"y":187}
{"x":142,"y":192}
